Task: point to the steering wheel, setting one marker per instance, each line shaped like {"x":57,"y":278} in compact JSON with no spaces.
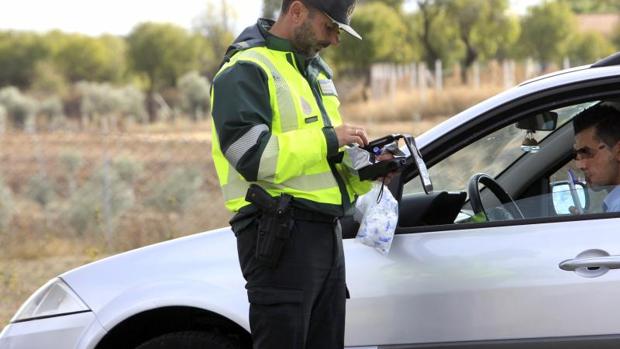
{"x":511,"y":209}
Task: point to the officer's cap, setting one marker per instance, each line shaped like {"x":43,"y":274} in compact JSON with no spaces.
{"x":339,"y":11}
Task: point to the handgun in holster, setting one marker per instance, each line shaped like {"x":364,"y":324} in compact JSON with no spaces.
{"x":275,"y":224}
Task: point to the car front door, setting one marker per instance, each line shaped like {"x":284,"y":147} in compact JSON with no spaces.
{"x":499,"y":286}
{"x":491,"y":284}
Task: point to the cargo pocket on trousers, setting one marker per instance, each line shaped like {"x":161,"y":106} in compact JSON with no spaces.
{"x":277,"y":308}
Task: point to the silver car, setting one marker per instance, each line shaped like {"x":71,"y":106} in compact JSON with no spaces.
{"x":491,"y":258}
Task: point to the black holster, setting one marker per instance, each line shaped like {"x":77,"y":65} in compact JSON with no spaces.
{"x":274,"y":226}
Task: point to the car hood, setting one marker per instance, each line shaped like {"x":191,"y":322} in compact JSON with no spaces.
{"x":207,"y":259}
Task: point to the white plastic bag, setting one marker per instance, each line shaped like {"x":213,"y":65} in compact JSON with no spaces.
{"x":377,"y":213}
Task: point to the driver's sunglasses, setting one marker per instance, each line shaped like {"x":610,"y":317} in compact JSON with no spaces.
{"x":587,"y":152}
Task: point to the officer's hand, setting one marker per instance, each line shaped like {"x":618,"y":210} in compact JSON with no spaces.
{"x":574,"y":211}
{"x":348,"y":134}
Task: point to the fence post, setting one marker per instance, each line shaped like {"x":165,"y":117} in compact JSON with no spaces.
{"x":529,"y":68}
{"x":393,"y":79}
{"x":566,"y":63}
{"x":476,"y":75}
{"x":438,"y":76}
{"x":509,"y":74}
{"x":413,"y":76}
{"x":422,"y":83}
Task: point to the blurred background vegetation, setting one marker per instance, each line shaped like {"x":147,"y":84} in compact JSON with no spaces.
{"x":105,"y":141}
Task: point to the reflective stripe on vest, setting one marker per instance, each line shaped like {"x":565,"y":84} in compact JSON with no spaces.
{"x":286,"y":105}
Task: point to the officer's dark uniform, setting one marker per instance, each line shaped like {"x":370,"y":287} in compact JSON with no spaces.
{"x":297,"y":299}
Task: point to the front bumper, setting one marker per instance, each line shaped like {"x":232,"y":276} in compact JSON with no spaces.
{"x":62,"y":332}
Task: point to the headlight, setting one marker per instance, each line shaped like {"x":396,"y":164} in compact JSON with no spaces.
{"x":54,"y":298}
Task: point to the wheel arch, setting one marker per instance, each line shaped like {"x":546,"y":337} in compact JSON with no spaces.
{"x":149,"y":324}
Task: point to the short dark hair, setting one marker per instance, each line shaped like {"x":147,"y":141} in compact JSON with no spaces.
{"x":606,"y":122}
{"x":286,"y":4}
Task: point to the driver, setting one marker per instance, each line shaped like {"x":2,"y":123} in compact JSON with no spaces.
{"x":597,"y":151}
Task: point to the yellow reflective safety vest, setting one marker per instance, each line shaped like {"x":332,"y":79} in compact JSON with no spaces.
{"x":295,"y":159}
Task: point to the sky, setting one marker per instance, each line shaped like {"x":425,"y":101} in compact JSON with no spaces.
{"x":119,"y":17}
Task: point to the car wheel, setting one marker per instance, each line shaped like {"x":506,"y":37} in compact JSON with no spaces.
{"x":189,"y":340}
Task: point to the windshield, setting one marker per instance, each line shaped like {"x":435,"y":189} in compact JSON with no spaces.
{"x":491,"y":154}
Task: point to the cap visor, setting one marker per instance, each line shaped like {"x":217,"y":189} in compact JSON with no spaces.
{"x":347,"y":28}
{"x":351,"y":31}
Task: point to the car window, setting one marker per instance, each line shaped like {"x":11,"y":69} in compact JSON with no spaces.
{"x":493,"y":154}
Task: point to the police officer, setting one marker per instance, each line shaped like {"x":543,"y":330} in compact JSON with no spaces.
{"x":276,"y":125}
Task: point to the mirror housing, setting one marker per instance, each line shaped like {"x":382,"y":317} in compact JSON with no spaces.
{"x":545,"y":121}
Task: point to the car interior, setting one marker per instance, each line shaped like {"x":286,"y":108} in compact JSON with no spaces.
{"x":514,"y":174}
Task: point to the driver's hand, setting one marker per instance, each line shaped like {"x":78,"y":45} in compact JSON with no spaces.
{"x":574,"y":211}
{"x":388,"y":178}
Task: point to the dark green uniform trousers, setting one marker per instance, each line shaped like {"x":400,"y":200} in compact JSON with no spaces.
{"x":299,"y":304}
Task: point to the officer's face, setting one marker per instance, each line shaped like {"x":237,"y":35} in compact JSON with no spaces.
{"x":598,"y":161}
{"x":315,"y":33}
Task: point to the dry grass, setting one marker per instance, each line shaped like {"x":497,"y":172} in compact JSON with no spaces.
{"x":414,"y":105}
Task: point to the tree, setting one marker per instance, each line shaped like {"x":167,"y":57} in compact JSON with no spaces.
{"x":215,"y":26}
{"x":431,"y":27}
{"x":271,"y":8}
{"x":547,"y":29}
{"x":483,"y":27}
{"x":19,"y":54}
{"x":81,"y":57}
{"x":162,"y":52}
{"x":385,"y":40}
{"x":589,"y":47}
{"x":593,"y":6}
{"x":395,"y":4}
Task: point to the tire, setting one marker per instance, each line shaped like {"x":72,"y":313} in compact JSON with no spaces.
{"x":189,"y":340}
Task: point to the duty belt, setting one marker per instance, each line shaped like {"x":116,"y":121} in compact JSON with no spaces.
{"x":312,"y":216}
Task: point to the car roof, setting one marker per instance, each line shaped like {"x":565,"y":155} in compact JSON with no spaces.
{"x":554,"y":80}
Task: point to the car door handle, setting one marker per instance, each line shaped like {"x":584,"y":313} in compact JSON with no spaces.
{"x":610,"y":262}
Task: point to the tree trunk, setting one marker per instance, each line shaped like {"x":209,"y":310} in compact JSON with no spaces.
{"x":471,"y":55}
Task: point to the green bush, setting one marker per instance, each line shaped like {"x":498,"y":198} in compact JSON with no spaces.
{"x":195,"y":92}
{"x":128,"y":169}
{"x":71,"y":161}
{"x":99,"y":204}
{"x":40,"y":189}
{"x":52,"y":108}
{"x":21,"y":109}
{"x":103,"y":99}
{"x":175,"y":193}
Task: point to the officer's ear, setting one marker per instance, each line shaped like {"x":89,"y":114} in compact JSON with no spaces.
{"x":298,"y":12}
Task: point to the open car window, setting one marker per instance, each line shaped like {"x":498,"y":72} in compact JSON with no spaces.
{"x":493,"y":154}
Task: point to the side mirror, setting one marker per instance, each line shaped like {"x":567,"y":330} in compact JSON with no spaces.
{"x":564,"y":197}
{"x":545,"y":121}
